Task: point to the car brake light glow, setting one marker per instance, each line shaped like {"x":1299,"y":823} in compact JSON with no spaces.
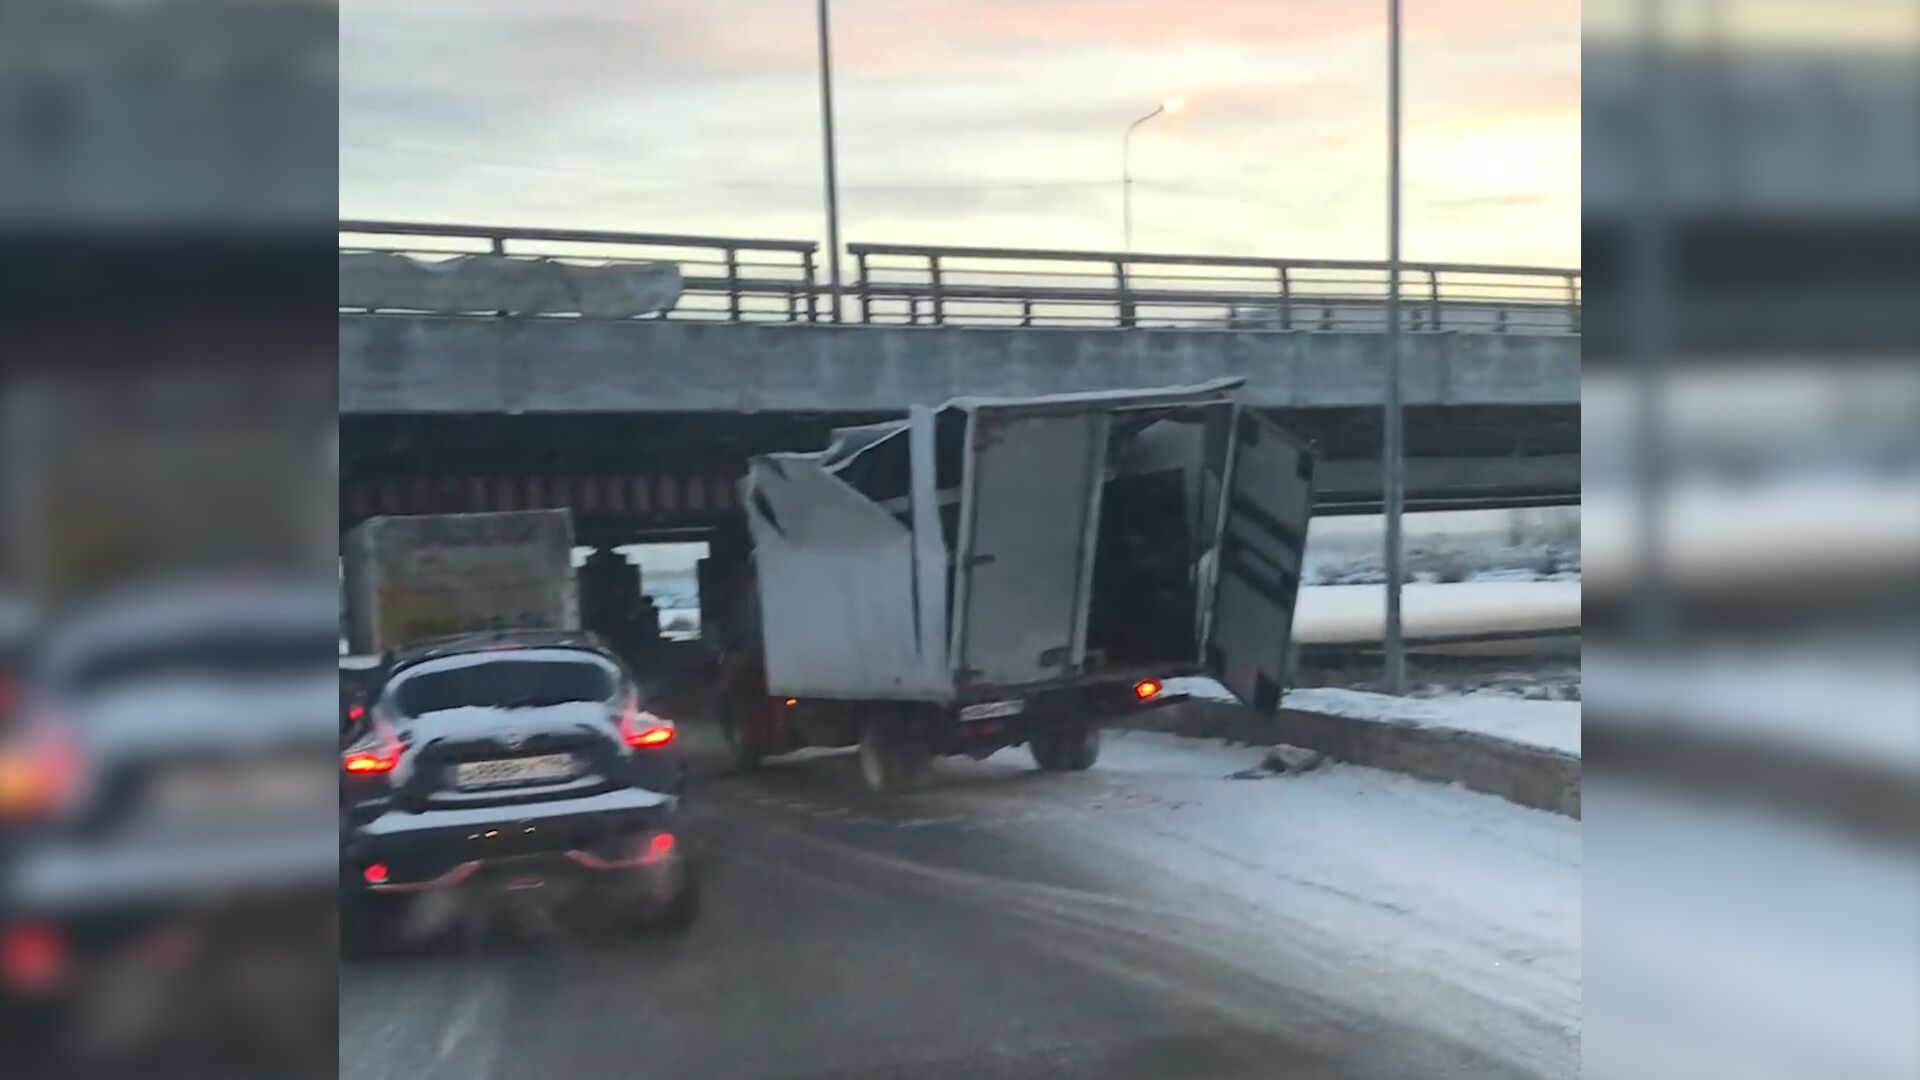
{"x":653,"y":736}
{"x":1146,"y":689}
{"x":39,"y":769}
{"x":355,"y":712}
{"x":379,"y":754}
{"x":33,"y":957}
{"x":375,"y":873}
{"x":661,"y":843}
{"x":792,"y":701}
{"x":644,"y":731}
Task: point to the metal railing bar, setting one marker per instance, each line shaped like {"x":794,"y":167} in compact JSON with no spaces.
{"x":597,"y":236}
{"x":1138,"y":258}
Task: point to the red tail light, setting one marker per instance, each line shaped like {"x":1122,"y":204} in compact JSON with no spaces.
{"x":375,"y":873}
{"x":40,"y":767}
{"x":644,"y":731}
{"x":378,"y":753}
{"x":33,"y":957}
{"x":1146,"y":690}
{"x":661,"y":844}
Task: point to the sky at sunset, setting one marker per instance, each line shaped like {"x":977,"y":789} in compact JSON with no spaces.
{"x":973,"y":121}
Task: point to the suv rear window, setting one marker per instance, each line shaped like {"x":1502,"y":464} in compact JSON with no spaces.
{"x":503,"y":682}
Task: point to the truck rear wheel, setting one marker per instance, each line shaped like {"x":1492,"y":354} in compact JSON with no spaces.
{"x":894,"y":755}
{"x":1066,"y":747}
{"x":743,"y":747}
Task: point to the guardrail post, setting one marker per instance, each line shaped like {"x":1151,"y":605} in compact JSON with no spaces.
{"x":1286,"y":297}
{"x":498,"y":246}
{"x":1026,"y":312}
{"x":1573,"y":302}
{"x":1433,"y":296}
{"x":866,"y":301}
{"x":1126,"y":294}
{"x":938,"y":299}
{"x":733,"y":283}
{"x":812,"y":285}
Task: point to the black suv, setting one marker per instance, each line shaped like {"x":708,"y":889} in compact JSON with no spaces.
{"x":510,"y":763}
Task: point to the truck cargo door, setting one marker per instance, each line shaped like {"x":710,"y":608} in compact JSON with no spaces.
{"x":1249,"y":627}
{"x":1024,"y":551}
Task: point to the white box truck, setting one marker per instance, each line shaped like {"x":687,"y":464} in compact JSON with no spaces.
{"x":1004,"y":571}
{"x":417,"y":577}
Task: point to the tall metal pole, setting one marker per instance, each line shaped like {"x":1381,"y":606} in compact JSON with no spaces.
{"x":1392,"y":440}
{"x":1126,"y":179}
{"x":833,"y":184}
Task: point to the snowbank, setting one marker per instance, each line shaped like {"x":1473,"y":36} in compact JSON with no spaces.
{"x":1552,"y":725}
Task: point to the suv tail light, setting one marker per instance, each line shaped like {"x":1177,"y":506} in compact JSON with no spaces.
{"x":644,"y":731}
{"x":33,"y":957}
{"x":40,"y":769}
{"x":375,"y":754}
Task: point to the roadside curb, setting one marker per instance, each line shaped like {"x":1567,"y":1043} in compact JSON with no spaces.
{"x":1529,"y":775}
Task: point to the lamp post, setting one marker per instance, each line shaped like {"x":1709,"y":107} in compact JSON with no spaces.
{"x":832,"y":183}
{"x":1169,"y":106}
{"x":1392,"y":434}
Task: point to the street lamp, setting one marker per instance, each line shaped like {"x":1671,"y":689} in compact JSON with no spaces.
{"x":1169,"y":107}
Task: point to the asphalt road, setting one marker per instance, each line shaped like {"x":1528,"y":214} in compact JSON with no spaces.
{"x":843,"y":935}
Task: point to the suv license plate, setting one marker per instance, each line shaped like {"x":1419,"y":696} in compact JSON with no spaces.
{"x":990,"y":710}
{"x":522,"y":770}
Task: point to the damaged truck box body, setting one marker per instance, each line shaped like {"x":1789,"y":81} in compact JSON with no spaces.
{"x":1002,"y":570}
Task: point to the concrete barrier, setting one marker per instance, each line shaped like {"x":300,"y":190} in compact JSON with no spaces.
{"x":1520,"y":773}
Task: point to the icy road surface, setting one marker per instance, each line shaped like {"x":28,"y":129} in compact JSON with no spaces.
{"x":1154,"y":917}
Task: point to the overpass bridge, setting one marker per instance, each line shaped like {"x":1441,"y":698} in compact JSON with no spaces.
{"x":628,"y":376}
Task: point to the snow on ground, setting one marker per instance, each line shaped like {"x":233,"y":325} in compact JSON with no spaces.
{"x":1551,"y":724}
{"x":1198,"y":688}
{"x":1734,"y":940}
{"x":1454,"y":908}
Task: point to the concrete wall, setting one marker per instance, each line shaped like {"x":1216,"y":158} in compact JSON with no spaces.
{"x":427,"y":364}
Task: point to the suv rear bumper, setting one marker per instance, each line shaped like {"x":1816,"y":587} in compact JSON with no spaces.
{"x":443,"y":849}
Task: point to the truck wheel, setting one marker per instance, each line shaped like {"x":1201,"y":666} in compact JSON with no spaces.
{"x":743,"y":750}
{"x":894,"y":755}
{"x":1067,"y":747}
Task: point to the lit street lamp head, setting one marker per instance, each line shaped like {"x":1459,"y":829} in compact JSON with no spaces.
{"x":1169,"y":106}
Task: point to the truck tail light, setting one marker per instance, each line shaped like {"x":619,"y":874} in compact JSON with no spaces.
{"x":1146,"y":689}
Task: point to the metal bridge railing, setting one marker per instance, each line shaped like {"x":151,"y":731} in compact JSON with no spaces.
{"x":759,"y":279}
{"x":918,"y":284}
{"x":724,"y":278}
